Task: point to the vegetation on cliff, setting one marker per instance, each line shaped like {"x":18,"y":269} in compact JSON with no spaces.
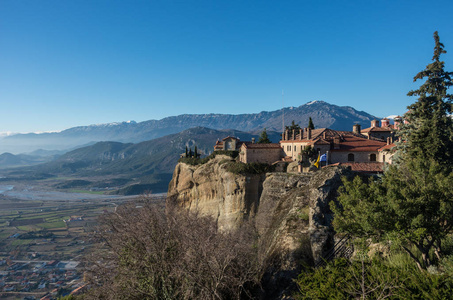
{"x":150,"y":254}
{"x":232,"y":165}
{"x":393,"y":277}
{"x":194,"y":161}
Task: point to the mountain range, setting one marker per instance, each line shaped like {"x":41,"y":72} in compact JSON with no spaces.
{"x":322,"y":113}
{"x":132,"y":158}
{"x":131,"y":168}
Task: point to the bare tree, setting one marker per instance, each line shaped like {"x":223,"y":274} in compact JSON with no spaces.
{"x":369,"y":283}
{"x":146,"y":253}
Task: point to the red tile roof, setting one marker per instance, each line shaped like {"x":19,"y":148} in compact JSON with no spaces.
{"x":378,"y":129}
{"x":387,"y":147}
{"x":349,"y":141}
{"x":230,"y":137}
{"x":353,"y":143}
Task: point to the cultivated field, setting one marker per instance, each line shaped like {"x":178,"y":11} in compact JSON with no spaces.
{"x":33,"y":232}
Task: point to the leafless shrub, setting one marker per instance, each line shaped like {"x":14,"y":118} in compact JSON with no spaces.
{"x":149,"y":254}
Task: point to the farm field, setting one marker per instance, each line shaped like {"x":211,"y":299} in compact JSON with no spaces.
{"x":42,"y":242}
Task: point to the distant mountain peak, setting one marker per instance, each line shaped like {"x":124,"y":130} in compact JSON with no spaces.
{"x":315,"y":101}
{"x":112,"y":124}
{"x":322,"y":113}
{"x":7,"y":133}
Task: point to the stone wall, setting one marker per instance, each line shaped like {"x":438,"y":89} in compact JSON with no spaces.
{"x":294,"y":149}
{"x":386,"y":156}
{"x":268,"y":155}
{"x":342,"y":157}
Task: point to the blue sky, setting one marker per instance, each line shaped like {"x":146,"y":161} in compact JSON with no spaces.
{"x":71,"y":63}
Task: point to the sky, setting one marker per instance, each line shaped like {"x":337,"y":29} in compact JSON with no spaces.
{"x":72,"y":63}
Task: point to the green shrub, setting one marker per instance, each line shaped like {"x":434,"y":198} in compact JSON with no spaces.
{"x":396,"y":277}
{"x":304,"y":213}
{"x":200,"y":161}
{"x":250,"y":168}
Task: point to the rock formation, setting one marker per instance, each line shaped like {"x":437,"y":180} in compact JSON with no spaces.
{"x":289,"y":210}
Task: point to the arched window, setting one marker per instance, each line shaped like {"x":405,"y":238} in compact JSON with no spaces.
{"x":350,"y":157}
{"x":373,"y":157}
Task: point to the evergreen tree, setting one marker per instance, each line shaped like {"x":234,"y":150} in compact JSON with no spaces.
{"x":412,"y":203}
{"x":190,"y":152}
{"x":310,"y":124}
{"x":264,"y":138}
{"x":292,"y":126}
{"x":187,"y":152}
{"x":429,"y":134}
{"x":195,"y":152}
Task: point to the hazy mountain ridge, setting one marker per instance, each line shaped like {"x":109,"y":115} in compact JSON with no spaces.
{"x":322,"y":113}
{"x":9,"y":160}
{"x":148,"y":164}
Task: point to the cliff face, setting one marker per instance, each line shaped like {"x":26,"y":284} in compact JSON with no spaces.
{"x":211,"y":190}
{"x":289,"y":211}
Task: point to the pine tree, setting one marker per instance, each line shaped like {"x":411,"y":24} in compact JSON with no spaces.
{"x":412,"y":203}
{"x":292,"y":126}
{"x":264,"y":138}
{"x":310,"y":124}
{"x":195,"y":152}
{"x":187,"y":152}
{"x":429,"y":133}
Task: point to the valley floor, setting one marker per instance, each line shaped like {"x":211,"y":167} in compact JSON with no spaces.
{"x":43,"y":236}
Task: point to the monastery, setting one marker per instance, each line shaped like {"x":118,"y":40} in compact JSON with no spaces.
{"x":364,"y":150}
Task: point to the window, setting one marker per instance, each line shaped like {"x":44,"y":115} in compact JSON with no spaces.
{"x":373,"y":157}
{"x":350,"y":157}
{"x":383,"y":158}
{"x":294,"y":148}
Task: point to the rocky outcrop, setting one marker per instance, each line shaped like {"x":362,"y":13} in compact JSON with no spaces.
{"x":211,"y":190}
{"x":290,"y":211}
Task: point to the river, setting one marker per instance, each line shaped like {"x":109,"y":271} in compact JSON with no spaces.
{"x":29,"y":192}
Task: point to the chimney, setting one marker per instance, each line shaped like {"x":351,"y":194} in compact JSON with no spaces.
{"x":356,"y":128}
{"x":301,"y":132}
{"x":385,"y":122}
{"x":294,"y":134}
{"x":308,"y":133}
{"x":253,"y":140}
{"x":286,"y":135}
{"x":375,"y":123}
